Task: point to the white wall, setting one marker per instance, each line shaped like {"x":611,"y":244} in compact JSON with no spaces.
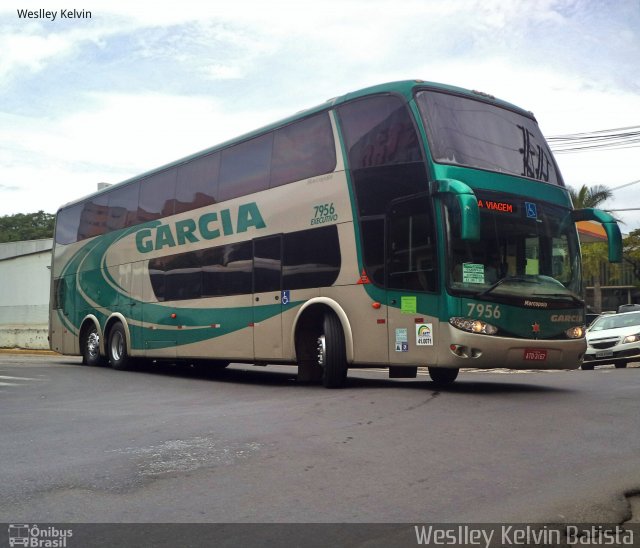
{"x":24,"y":294}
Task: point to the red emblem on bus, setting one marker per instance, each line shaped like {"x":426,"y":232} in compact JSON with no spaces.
{"x":535,"y":327}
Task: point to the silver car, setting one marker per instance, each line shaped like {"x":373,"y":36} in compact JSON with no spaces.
{"x":613,"y":338}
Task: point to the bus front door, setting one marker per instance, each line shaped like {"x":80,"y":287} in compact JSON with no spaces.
{"x":412,"y":282}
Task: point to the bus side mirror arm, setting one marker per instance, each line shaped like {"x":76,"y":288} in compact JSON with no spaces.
{"x":468,"y":203}
{"x":610,"y":226}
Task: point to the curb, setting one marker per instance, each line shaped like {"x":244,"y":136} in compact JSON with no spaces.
{"x":28,"y":351}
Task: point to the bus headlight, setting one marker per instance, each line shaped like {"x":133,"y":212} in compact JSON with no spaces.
{"x":575,"y":332}
{"x":473,"y":326}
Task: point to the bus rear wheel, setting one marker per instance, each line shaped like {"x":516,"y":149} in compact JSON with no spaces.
{"x":443,"y":376}
{"x":91,"y":346}
{"x":332,"y":356}
{"x":117,"y":348}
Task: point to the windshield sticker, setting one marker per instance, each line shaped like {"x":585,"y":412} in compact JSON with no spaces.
{"x":408,"y":305}
{"x":424,"y":334}
{"x":473,"y":273}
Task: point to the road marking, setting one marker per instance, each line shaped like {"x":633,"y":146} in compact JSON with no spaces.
{"x":16,"y":381}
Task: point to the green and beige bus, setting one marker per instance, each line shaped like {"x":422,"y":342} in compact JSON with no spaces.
{"x":405,"y":225}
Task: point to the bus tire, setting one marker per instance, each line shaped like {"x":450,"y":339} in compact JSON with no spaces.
{"x":117,"y":349}
{"x":443,"y":376}
{"x":332,"y":355}
{"x":90,"y":342}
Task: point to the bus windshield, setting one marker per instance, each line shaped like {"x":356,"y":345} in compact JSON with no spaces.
{"x":526,"y":249}
{"x":477,"y":134}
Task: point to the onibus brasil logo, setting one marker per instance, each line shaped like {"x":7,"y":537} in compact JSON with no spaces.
{"x":38,"y":537}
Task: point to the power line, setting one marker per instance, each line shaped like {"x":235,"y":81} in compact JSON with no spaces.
{"x":625,"y":185}
{"x":604,"y":139}
{"x":595,"y":132}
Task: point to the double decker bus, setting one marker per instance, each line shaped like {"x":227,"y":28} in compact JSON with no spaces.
{"x":404,"y":225}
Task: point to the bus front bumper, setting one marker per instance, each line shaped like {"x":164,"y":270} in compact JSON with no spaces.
{"x":489,"y":352}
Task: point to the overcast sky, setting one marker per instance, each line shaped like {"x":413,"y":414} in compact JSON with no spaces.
{"x":140,"y":84}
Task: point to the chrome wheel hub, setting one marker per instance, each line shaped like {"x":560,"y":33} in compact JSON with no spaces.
{"x":93,"y":344}
{"x":117,"y":346}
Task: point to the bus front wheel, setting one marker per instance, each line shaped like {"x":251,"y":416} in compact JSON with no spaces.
{"x":332,"y":355}
{"x":117,"y":348}
{"x":443,"y":376}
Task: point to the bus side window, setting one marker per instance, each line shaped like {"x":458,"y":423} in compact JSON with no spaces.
{"x":93,"y":220}
{"x":379,"y":132}
{"x":197,"y":184}
{"x":123,"y":206}
{"x":58,"y":293}
{"x":411,"y":247}
{"x":157,"y":196}
{"x":311,"y":258}
{"x":68,"y":224}
{"x":385,"y":162}
{"x":245,"y":167}
{"x":302,"y":150}
{"x":267,"y":264}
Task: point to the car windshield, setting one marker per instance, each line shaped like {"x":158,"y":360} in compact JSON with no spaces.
{"x":615,"y":321}
{"x":526,"y":249}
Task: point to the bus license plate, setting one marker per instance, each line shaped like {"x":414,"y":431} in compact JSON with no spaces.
{"x":604,"y":354}
{"x":535,"y":354}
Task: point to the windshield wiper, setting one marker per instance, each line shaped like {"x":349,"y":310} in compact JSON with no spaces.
{"x":567,"y":296}
{"x":503,"y":280}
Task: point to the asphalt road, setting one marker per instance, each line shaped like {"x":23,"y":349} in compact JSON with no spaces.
{"x":83,"y":444}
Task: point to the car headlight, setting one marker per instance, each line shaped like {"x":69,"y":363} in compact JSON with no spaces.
{"x":631,"y":338}
{"x":575,"y":332}
{"x":473,"y":326}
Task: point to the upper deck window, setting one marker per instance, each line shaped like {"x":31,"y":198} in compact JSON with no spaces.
{"x":481,"y":135}
{"x":197,"y":184}
{"x":67,"y":224}
{"x":302,"y":150}
{"x":294,"y":152}
{"x":245,"y":167}
{"x":157,"y":196}
{"x":123,"y":206}
{"x":379,"y":132}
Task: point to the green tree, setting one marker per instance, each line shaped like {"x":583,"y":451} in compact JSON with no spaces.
{"x":587,"y":196}
{"x":26,"y":226}
{"x":631,"y":252}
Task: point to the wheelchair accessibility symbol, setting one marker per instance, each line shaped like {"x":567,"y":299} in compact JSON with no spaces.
{"x":285,"y":296}
{"x":531,"y":209}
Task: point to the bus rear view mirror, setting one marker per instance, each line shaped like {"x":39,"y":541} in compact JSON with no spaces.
{"x":610,"y":227}
{"x":468,"y":204}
